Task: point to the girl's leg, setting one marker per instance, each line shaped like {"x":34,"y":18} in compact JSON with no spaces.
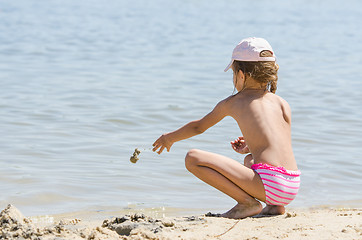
{"x":248,"y":161}
{"x":230,"y":177}
{"x":273,"y":210}
{"x":269,"y":209}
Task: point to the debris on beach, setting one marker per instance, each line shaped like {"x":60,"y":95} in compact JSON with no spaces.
{"x":134,"y":158}
{"x":210,"y":214}
{"x":129,"y":223}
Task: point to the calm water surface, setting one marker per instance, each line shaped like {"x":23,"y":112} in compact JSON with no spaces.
{"x":83,"y":83}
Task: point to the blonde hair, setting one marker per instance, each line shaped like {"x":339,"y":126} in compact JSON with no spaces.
{"x":263,"y":72}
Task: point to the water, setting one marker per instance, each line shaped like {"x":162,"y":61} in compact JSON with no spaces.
{"x":83,"y":83}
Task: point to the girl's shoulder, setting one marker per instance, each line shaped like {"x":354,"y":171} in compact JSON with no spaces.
{"x":226,"y":104}
{"x":283,"y":102}
{"x":284,"y":105}
{"x":278,"y":99}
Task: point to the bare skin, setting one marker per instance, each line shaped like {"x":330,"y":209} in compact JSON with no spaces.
{"x":231,"y":178}
{"x":265,"y":121}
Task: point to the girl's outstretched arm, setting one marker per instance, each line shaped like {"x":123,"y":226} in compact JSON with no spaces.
{"x":192,"y":128}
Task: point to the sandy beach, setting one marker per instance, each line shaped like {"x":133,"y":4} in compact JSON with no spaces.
{"x":322,"y":223}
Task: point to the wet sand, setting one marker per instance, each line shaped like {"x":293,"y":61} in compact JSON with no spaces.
{"x":322,"y":223}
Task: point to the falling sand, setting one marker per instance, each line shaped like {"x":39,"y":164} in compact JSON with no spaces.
{"x":134,"y":158}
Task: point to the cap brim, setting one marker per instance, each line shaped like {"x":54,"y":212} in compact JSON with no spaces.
{"x":229,"y":66}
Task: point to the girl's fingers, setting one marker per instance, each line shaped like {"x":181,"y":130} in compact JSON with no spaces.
{"x":156,"y":145}
{"x":239,"y":139}
{"x":157,"y":140}
{"x":161,"y":149}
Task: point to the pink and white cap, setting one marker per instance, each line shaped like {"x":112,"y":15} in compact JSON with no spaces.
{"x":249,"y":50}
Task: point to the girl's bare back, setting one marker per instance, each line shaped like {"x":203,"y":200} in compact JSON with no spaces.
{"x":265,"y":121}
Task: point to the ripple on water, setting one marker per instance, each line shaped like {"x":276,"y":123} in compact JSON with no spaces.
{"x":76,"y":101}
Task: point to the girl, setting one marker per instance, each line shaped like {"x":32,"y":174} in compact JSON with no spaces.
{"x":270,"y":172}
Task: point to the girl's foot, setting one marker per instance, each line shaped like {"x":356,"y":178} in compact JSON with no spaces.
{"x":243,"y":210}
{"x":273,"y":210}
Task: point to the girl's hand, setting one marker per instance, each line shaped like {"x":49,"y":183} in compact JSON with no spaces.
{"x":161,"y":143}
{"x":239,"y":145}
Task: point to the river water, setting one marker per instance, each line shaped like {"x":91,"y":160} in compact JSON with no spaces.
{"x":83,"y":83}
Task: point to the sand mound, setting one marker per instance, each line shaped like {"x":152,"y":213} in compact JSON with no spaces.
{"x":13,"y":225}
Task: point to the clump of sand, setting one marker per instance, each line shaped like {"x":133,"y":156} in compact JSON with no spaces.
{"x":134,"y":158}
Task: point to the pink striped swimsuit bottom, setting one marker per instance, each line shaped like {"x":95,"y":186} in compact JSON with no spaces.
{"x":281,"y":185}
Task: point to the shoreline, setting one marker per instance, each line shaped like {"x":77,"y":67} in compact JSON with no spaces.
{"x":311,"y":223}
{"x":97,"y":212}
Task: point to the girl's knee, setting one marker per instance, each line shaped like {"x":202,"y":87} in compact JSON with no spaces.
{"x":191,"y":159}
{"x":248,"y":161}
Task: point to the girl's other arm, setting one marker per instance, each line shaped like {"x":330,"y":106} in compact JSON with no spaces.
{"x":239,"y":145}
{"x":192,"y":128}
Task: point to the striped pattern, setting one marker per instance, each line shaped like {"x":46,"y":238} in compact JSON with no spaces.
{"x":281,"y":185}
